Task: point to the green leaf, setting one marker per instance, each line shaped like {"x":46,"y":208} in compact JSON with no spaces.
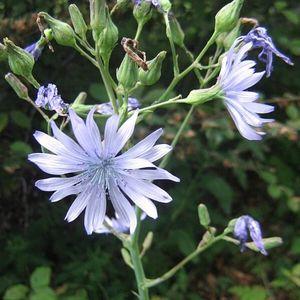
{"x":44,"y":293}
{"x":220,"y":189}
{"x":274,"y":191}
{"x":292,"y":112}
{"x":98,"y":92}
{"x":295,"y":249}
{"x":249,"y":293}
{"x":20,"y":148}
{"x":16,"y":292}
{"x":3,"y":121}
{"x":268,"y":177}
{"x":40,"y":278}
{"x":20,"y":119}
{"x":184,"y":241}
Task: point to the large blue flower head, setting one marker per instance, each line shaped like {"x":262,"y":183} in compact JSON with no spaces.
{"x":236,"y":76}
{"x":103,"y":174}
{"x":245,"y":224}
{"x":260,"y":39}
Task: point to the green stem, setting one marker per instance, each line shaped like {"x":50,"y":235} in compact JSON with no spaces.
{"x":172,"y":45}
{"x":88,"y":57}
{"x":136,"y":260}
{"x":107,"y":82}
{"x":171,"y":272}
{"x":187,"y":70}
{"x":177,"y":136}
{"x":38,"y":109}
{"x":139,"y":30}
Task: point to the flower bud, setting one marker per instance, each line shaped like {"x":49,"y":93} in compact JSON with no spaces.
{"x":20,"y":61}
{"x":227,"y":17}
{"x":19,"y":88}
{"x":154,"y":70}
{"x":202,"y":95}
{"x":232,"y":36}
{"x":175,"y":30}
{"x":78,"y":21}
{"x":142,"y":11}
{"x":108,"y":38}
{"x":62,"y":32}
{"x":127,"y":74}
{"x":97,"y":17}
{"x":165,"y":5}
{"x":3,"y":52}
{"x":203,"y":214}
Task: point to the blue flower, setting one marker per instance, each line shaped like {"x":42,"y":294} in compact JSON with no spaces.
{"x":103,"y":175}
{"x":155,"y":3}
{"x":241,"y":228}
{"x":260,"y":39}
{"x":236,"y":76}
{"x":48,"y":98}
{"x":107,"y":108}
{"x":35,"y":50}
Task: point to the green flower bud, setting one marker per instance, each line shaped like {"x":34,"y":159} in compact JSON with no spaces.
{"x":232,"y":36}
{"x":227,"y":17}
{"x":203,"y":214}
{"x":78,"y":21}
{"x":20,"y":61}
{"x":147,"y":241}
{"x":165,"y":5}
{"x":175,"y":31}
{"x":127,"y":74}
{"x":107,"y":39}
{"x":19,"y":88}
{"x":230,"y":226}
{"x":62,"y":32}
{"x":154,"y":70}
{"x":97,"y":17}
{"x":80,"y":99}
{"x":3,"y":53}
{"x":142,"y":12}
{"x":202,"y":95}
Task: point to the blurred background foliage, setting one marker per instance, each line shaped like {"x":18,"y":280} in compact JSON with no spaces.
{"x":42,"y":257}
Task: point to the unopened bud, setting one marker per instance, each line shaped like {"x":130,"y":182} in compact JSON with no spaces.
{"x":165,"y":5}
{"x":202,"y":95}
{"x":175,"y":30}
{"x":108,"y":38}
{"x":154,"y":70}
{"x":78,"y":21}
{"x":62,"y":32}
{"x":97,"y":17}
{"x":227,"y":17}
{"x":80,"y":99}
{"x":147,"y":241}
{"x":142,"y":11}
{"x":3,"y":53}
{"x":232,"y":36}
{"x":19,"y":88}
{"x":20,"y":61}
{"x":127,"y":74}
{"x":203,"y":215}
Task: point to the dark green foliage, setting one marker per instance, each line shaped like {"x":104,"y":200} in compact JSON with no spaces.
{"x":217,"y":167}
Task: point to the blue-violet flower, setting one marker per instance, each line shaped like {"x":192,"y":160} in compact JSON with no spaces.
{"x":35,"y":50}
{"x":241,"y":228}
{"x":102,"y":174}
{"x":260,"y":39}
{"x":236,"y":76}
{"x":107,"y":108}
{"x":48,"y":98}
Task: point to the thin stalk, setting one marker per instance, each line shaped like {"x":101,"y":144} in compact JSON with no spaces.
{"x":139,"y":30}
{"x":172,"y":45}
{"x":38,"y":109}
{"x":177,"y":136}
{"x":187,"y":70}
{"x":176,"y":268}
{"x":107,"y":82}
{"x":137,"y":262}
{"x":87,"y":56}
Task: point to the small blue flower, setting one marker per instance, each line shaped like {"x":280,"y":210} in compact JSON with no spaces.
{"x":155,"y":3}
{"x":107,"y":108}
{"x":100,"y":174}
{"x":260,"y":39}
{"x":241,"y":228}
{"x":48,"y":98}
{"x":236,"y":76}
{"x":35,"y":50}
